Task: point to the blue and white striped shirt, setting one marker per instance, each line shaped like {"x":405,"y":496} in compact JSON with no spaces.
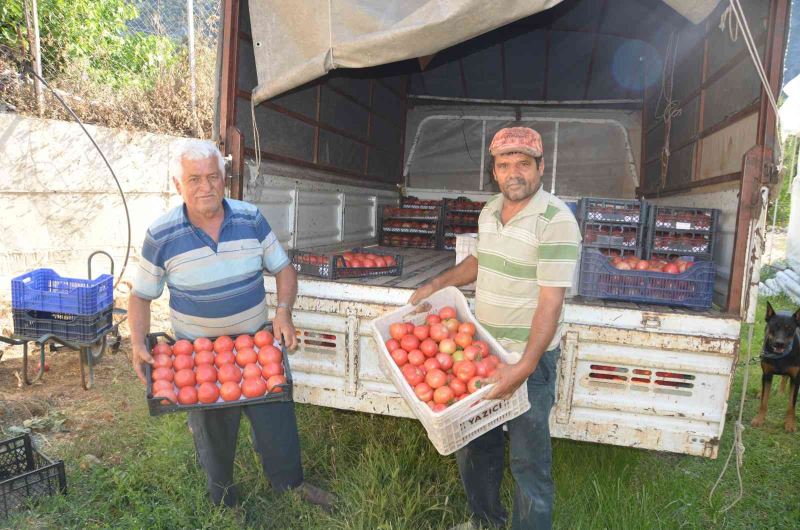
{"x":215,"y":288}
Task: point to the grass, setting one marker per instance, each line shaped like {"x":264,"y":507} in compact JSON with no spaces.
{"x":388,"y":476}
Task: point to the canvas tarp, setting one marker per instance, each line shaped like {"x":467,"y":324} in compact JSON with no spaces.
{"x":296,"y":42}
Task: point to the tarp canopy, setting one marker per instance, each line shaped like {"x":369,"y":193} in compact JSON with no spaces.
{"x":296,"y":42}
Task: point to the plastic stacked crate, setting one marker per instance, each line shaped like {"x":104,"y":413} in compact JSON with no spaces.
{"x":334,"y":266}
{"x":678,"y":231}
{"x":460,"y":217}
{"x":415,"y":223}
{"x":614,"y":227}
{"x":73,"y":309}
{"x":26,"y":475}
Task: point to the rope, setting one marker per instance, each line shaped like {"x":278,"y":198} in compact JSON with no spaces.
{"x":733,"y":28}
{"x":738,"y":443}
{"x":671,"y":108}
{"x":256,"y":141}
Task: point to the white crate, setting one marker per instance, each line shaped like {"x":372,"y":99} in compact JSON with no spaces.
{"x":465,"y":245}
{"x":462,"y":422}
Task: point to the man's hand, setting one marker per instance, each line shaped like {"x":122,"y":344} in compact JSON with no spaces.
{"x":422,"y":293}
{"x":507,"y":378}
{"x":283,"y":328}
{"x":139,"y":356}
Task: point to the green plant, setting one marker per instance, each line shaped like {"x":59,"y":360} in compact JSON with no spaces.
{"x":788,"y":173}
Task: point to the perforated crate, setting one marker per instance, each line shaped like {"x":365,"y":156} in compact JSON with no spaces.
{"x":673,"y":231}
{"x":600,"y":279}
{"x":334,"y":267}
{"x":45,"y":290}
{"x":32,"y":325}
{"x":612,"y":210}
{"x":462,"y":422}
{"x":27,"y":475}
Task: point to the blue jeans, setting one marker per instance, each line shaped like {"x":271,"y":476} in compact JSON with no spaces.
{"x":482,"y":462}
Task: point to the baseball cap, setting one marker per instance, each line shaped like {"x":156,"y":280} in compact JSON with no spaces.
{"x":516,"y":140}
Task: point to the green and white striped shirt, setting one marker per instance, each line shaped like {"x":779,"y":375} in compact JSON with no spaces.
{"x":537,"y":247}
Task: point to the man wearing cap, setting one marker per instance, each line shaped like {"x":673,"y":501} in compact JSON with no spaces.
{"x":526,"y":254}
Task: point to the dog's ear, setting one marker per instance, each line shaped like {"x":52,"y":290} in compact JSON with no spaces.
{"x":770,"y":312}
{"x":797,"y":317}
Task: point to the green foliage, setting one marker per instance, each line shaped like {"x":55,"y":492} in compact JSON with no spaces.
{"x":92,"y":37}
{"x":788,"y":173}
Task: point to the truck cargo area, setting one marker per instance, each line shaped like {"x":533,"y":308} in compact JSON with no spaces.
{"x":634,"y":99}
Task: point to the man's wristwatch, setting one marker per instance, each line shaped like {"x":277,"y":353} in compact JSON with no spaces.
{"x":284,"y":305}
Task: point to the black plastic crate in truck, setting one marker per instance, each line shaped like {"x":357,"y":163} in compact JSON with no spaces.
{"x":673,"y":232}
{"x":611,"y":235}
{"x":26,"y":474}
{"x":333,"y":266}
{"x":598,"y":210}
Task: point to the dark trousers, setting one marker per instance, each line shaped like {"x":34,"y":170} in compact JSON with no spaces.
{"x":275,"y":439}
{"x":482,"y":462}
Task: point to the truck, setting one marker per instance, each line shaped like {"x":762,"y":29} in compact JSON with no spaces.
{"x":329,"y":111}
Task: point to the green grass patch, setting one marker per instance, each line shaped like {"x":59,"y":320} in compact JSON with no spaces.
{"x":388,"y":476}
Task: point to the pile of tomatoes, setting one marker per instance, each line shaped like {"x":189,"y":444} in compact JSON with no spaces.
{"x":367,"y":260}
{"x":441,"y":359}
{"x":632,"y":263}
{"x":223,"y":370}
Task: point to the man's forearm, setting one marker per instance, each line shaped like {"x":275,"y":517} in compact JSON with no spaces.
{"x":138,"y":319}
{"x":462,"y":274}
{"x":286,"y":285}
{"x":543,"y":327}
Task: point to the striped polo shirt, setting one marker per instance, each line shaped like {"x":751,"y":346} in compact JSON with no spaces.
{"x":537,"y":247}
{"x":215,"y":288}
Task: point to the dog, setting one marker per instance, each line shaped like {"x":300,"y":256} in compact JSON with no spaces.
{"x":780,"y":356}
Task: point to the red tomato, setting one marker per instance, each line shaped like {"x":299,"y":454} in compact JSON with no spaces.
{"x":463,"y":339}
{"x":183,"y":347}
{"x":229,"y":373}
{"x":369,"y":263}
{"x":458,"y":356}
{"x":251,"y":370}
{"x":436,"y":378}
{"x":169,"y":397}
{"x":465,"y":370}
{"x":183,"y":362}
{"x":184,"y":378}
{"x":409,"y":342}
{"x":392,"y":345}
{"x":643,"y":265}
{"x":494,"y":359}
{"x":397,"y":330}
{"x":230,"y":391}
{"x":204,"y":357}
{"x":459,"y":387}
{"x":433,"y":319}
{"x":483,"y":367}
{"x":224,"y":357}
{"x":206,"y":373}
{"x":269,"y":354}
{"x":439,"y":332}
{"x":429,"y":347}
{"x":162,"y":361}
{"x":263,"y":338}
{"x":423,"y":391}
{"x":416,"y":357}
{"x":483,"y":346}
{"x":274,"y":381}
{"x":472,"y":352}
{"x":162,"y":384}
{"x":409,"y":328}
{"x":447,"y":312}
{"x":413,"y":374}
{"x":438,"y":407}
{"x":162,"y":348}
{"x":400,"y":356}
{"x":445,"y":361}
{"x":255,"y":387}
{"x":380,"y":262}
{"x":163,"y":373}
{"x":271,"y":369}
{"x":467,"y":327}
{"x":356,"y":263}
{"x":347,"y":255}
{"x":475,"y":384}
{"x":246,"y":356}
{"x":223,"y":343}
{"x":670,"y":268}
{"x":443,"y":394}
{"x":431,"y":364}
{"x":422,"y":332}
{"x":447,"y":346}
{"x":207,"y":392}
{"x":390,"y":262}
{"x":243,"y":342}
{"x":187,"y":395}
{"x":203,"y":344}
{"x":452,"y":325}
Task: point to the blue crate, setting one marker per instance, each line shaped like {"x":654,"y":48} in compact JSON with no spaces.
{"x":45,"y":290}
{"x":31,"y":325}
{"x":693,"y":288}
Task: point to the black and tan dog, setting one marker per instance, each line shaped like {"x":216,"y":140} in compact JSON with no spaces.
{"x":780,"y":356}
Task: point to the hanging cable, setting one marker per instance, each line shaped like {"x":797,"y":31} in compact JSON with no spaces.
{"x":256,"y":140}
{"x":671,"y":107}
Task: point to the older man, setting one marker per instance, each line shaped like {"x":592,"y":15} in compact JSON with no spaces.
{"x":526,"y":255}
{"x":211,"y":253}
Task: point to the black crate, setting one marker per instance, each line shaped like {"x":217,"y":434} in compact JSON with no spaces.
{"x":456,"y":206}
{"x":386,"y":241}
{"x":599,"y":210}
{"x":611,"y":235}
{"x":693,"y":288}
{"x":157,"y":407}
{"x":31,"y":325}
{"x":673,"y":232}
{"x":412,"y":202}
{"x":335,"y":267}
{"x":412,"y":214}
{"x":26,"y":475}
